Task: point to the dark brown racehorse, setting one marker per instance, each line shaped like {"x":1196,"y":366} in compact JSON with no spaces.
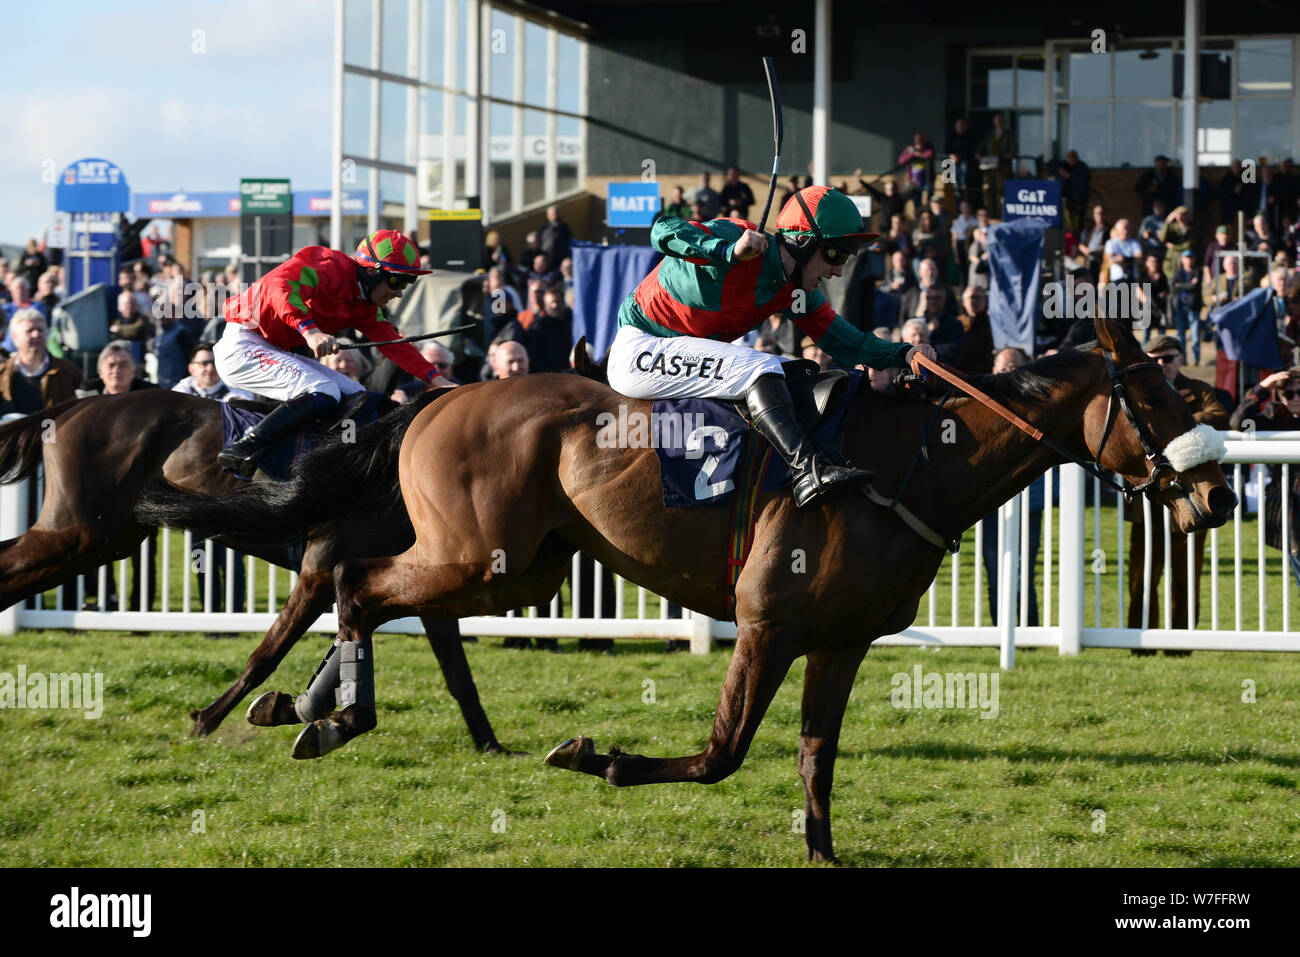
{"x":504,"y":480}
{"x":108,"y":452}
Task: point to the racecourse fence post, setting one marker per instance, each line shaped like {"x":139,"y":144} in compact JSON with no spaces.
{"x":13,"y":522}
{"x":1009,"y":581}
{"x":701,"y":634}
{"x":1072,"y":548}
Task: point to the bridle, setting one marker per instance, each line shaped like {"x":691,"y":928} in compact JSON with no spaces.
{"x":1162,"y":475}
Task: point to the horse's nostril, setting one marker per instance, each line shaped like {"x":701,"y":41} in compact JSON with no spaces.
{"x":1221,"y":500}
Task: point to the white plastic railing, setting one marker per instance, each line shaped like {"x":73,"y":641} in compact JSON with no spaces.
{"x":1077,"y":551}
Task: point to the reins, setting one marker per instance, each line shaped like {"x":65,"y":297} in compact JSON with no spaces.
{"x":1160,"y":464}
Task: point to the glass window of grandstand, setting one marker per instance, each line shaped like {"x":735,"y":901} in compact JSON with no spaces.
{"x":1012,"y":84}
{"x":413,"y":115}
{"x":1123,"y":107}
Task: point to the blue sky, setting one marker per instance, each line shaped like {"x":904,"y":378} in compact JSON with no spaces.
{"x":121,"y":81}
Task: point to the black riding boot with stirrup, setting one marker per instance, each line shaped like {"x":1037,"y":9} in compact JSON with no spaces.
{"x":241,"y":455}
{"x":815,"y":472}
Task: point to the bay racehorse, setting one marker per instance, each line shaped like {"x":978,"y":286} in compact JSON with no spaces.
{"x":102,"y":456}
{"x":504,"y":480}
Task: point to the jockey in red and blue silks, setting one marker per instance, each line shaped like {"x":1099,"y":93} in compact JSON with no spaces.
{"x":721,"y":279}
{"x":305,"y":300}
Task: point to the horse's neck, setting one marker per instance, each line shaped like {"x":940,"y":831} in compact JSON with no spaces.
{"x":1007,"y":459}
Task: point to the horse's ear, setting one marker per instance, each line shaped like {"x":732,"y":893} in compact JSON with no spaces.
{"x":578,"y":358}
{"x":1106,"y":334}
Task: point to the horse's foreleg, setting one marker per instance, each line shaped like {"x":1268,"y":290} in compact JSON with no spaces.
{"x":444,"y":639}
{"x":827,"y":683}
{"x":310,"y":598}
{"x":759,"y":665}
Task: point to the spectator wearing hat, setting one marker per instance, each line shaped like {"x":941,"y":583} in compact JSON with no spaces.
{"x":1185,"y":300}
{"x":1206,"y":409}
{"x":1159,"y":183}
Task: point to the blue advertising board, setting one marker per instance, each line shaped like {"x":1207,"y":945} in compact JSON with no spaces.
{"x":92,"y":186}
{"x":631,"y":204}
{"x":1038,"y":199}
{"x":218,"y":204}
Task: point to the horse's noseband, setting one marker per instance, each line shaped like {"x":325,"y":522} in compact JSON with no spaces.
{"x":1162,"y":476}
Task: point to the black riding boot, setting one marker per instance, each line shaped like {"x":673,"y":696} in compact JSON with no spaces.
{"x":815,"y":472}
{"x":241,"y":455}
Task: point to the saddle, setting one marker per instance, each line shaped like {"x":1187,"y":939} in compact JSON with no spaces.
{"x":817,"y":395}
{"x":238,"y":415}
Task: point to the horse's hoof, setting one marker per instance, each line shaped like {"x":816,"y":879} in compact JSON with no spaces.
{"x":569,"y":755}
{"x":272,"y":709}
{"x":318,"y":739}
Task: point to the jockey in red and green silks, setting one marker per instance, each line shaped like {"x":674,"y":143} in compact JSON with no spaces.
{"x":721,"y":279}
{"x":304,"y":301}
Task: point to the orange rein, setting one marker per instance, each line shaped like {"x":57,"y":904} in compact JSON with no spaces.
{"x":951,"y":376}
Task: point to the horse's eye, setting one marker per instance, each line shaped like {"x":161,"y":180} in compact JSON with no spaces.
{"x":1155,"y":400}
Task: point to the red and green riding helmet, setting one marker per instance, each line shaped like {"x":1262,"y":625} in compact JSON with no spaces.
{"x":390,"y":251}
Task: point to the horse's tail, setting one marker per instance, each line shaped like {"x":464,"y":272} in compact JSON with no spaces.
{"x":335,"y":480}
{"x":22,"y":442}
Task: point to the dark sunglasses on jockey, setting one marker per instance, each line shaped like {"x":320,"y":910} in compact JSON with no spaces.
{"x":397,"y":280}
{"x":838,"y":251}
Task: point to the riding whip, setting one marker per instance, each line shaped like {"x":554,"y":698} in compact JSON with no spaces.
{"x":778,"y":133}
{"x":397,"y":342}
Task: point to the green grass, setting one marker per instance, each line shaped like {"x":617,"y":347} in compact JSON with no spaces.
{"x":1184,"y":771}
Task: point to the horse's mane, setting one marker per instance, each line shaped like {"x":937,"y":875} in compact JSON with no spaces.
{"x":1034,"y":382}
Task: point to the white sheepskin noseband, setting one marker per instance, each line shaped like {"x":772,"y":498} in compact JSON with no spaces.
{"x":1201,"y":444}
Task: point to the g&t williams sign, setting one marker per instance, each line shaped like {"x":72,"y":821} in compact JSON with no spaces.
{"x":1038,"y":199}
{"x":92,"y":186}
{"x":631,"y":204}
{"x":264,"y":196}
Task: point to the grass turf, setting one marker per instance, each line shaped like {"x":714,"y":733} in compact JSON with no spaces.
{"x":1184,"y":772}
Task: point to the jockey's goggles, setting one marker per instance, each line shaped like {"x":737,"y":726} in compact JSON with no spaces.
{"x":838,"y":251}
{"x":397,"y":280}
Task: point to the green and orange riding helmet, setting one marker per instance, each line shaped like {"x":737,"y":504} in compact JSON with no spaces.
{"x":388,"y":255}
{"x":818,"y":217}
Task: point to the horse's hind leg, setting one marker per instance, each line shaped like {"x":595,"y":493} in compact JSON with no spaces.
{"x":762,"y":658}
{"x":309,"y":600}
{"x":41,"y":559}
{"x":444,"y":639}
{"x":827,"y":684}
{"x":370,"y":591}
